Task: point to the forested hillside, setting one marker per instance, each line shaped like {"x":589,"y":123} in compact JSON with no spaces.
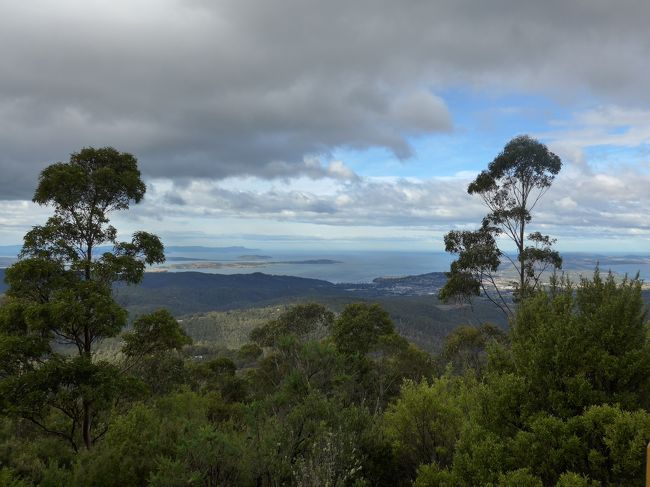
{"x":191,"y":292}
{"x":195,"y":297}
{"x":422,"y":320}
{"x":316,"y":397}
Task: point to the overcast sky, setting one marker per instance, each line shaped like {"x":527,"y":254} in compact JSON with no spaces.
{"x":331,"y":124}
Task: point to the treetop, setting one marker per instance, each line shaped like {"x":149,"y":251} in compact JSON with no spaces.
{"x":524,"y":159}
{"x":101,"y":178}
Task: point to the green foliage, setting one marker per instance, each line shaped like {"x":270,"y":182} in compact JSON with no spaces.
{"x":94,"y":179}
{"x":53,"y":395}
{"x":195,"y":299}
{"x":333,"y":460}
{"x":432,"y":476}
{"x":478,"y":259}
{"x":391,"y":361}
{"x":8,"y":479}
{"x":219,"y":375}
{"x":584,"y":346}
{"x":32,"y":457}
{"x":61,"y":293}
{"x":128,"y":453}
{"x":545,"y":405}
{"x":424,"y":423}
{"x":154,"y":333}
{"x":519,"y":478}
{"x":465,"y":348}
{"x":161,"y":373}
{"x":250,"y":351}
{"x":139,"y":441}
{"x":229,"y":329}
{"x":510,"y":188}
{"x":206,"y":457}
{"x":301,"y":320}
{"x":571,"y":479}
{"x":55,"y":476}
{"x":338,"y":410}
{"x":296,"y":368}
{"x":359,"y":327}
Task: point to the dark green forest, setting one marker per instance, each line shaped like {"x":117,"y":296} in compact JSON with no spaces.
{"x":550,"y":388}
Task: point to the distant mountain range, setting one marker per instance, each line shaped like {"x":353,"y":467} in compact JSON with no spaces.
{"x":191,"y":292}
{"x":198,"y":291}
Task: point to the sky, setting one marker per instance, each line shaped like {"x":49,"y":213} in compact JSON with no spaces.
{"x":338,"y":125}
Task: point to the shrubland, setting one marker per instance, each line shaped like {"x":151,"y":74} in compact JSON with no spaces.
{"x":318,"y":398}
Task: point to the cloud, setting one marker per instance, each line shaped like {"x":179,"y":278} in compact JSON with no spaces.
{"x":364,"y":202}
{"x":214,"y":89}
{"x":604,"y":204}
{"x":605,"y":126}
{"x":582,"y":204}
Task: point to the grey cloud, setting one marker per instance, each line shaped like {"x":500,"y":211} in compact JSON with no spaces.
{"x":213,"y":89}
{"x":174,"y":199}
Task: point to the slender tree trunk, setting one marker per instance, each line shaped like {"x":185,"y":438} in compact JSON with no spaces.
{"x":86,"y":426}
{"x":89,"y":260}
{"x":522,"y":273}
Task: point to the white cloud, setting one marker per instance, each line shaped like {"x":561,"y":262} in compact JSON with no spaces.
{"x":338,"y":170}
{"x":579,"y":202}
{"x":606,"y":126}
{"x":566,"y":203}
{"x":580,"y":205}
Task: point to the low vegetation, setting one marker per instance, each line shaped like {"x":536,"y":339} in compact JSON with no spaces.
{"x":316,"y":398}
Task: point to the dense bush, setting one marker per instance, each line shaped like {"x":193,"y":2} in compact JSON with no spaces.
{"x":324,"y":400}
